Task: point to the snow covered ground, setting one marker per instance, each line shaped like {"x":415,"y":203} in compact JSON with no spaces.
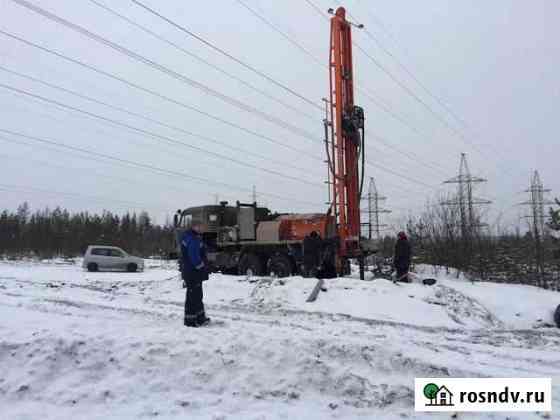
{"x":112,"y":346}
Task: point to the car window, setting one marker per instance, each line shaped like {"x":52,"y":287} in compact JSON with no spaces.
{"x":100,"y":251}
{"x":116,"y":253}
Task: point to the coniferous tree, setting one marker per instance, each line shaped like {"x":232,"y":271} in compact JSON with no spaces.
{"x":46,"y":233}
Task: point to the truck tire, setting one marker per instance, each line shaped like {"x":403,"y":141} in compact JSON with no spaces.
{"x":92,"y":267}
{"x":250,"y":264}
{"x":132,"y":268}
{"x":280,"y":265}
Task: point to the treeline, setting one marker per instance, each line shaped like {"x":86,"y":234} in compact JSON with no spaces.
{"x":442,"y":237}
{"x":48,"y":233}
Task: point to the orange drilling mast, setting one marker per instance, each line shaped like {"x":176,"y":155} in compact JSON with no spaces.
{"x":346,"y":146}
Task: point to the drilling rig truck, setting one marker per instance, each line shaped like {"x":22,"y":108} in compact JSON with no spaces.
{"x":247,"y":239}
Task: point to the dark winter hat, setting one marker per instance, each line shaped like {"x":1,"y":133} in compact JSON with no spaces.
{"x":402,"y":235}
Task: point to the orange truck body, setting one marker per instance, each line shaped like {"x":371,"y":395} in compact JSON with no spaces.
{"x":298,"y":226}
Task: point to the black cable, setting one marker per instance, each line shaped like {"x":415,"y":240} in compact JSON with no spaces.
{"x":282,"y":33}
{"x":415,"y":96}
{"x":411,"y":93}
{"x":359,"y":87}
{"x":317,"y":9}
{"x":228,"y":55}
{"x":414,"y":181}
{"x":411,"y":74}
{"x":174,"y":101}
{"x":107,"y":74}
{"x":406,"y":70}
{"x":410,"y":155}
{"x":318,"y":62}
{"x":126,"y":111}
{"x":204,"y":61}
{"x":98,"y":174}
{"x":158,"y":136}
{"x":145,"y":166}
{"x":34,"y":190}
{"x":98,"y":132}
{"x":166,"y":70}
{"x":160,"y":96}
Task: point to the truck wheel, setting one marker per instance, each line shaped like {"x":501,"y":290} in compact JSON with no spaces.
{"x":92,"y":267}
{"x":251,"y":265}
{"x":280,"y":265}
{"x":131,"y":268}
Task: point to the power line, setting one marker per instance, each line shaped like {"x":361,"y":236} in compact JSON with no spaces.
{"x":425,"y":88}
{"x":228,"y":55}
{"x":161,"y":96}
{"x":98,"y":174}
{"x":317,"y":9}
{"x":33,"y":190}
{"x":399,"y":187}
{"x":395,"y":173}
{"x":376,"y":101}
{"x":411,"y":93}
{"x":174,"y":101}
{"x":102,"y":133}
{"x":417,"y":98}
{"x":145,"y":166}
{"x":411,"y":74}
{"x":166,"y":139}
{"x":146,"y":118}
{"x":410,"y":155}
{"x":387,"y":109}
{"x":292,"y":41}
{"x":325,"y":66}
{"x":50,"y":16}
{"x":168,"y":71}
{"x":383,"y":26}
{"x":202,"y":60}
{"x":407,"y":70}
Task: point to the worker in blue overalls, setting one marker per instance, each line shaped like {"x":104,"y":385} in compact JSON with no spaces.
{"x":194,"y":270}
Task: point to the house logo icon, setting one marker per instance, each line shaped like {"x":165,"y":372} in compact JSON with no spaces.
{"x":438,"y":396}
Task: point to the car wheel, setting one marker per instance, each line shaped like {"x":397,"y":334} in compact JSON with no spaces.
{"x":280,"y":265}
{"x":250,"y":265}
{"x":132,"y":268}
{"x":92,"y":267}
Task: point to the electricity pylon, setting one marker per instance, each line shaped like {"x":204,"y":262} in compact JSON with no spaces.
{"x":465,"y":200}
{"x":537,"y":203}
{"x":374,"y":210}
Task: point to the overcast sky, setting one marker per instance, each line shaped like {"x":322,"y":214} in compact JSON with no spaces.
{"x":493,"y":64}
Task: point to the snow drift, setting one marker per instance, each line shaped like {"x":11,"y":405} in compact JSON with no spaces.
{"x":112,"y":345}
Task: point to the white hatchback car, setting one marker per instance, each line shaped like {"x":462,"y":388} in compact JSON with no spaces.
{"x":99,"y":257}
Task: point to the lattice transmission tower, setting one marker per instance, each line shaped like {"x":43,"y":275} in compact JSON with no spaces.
{"x":374,"y":210}
{"x":465,"y":200}
{"x":537,"y":202}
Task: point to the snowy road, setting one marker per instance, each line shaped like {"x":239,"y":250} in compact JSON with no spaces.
{"x":112,"y":345}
